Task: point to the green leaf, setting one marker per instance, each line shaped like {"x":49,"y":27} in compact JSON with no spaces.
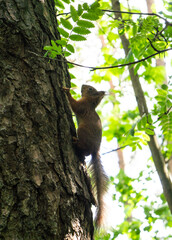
{"x":132,"y":131}
{"x":140,"y":147}
{"x":45,"y":55}
{"x":150,"y":126}
{"x":70,"y":48}
{"x":55,"y":47}
{"x":70,"y":65}
{"x":66,"y":23}
{"x":72,"y":76}
{"x":149,"y":131}
{"x":133,"y":148}
{"x":137,"y":68}
{"x":169,"y":103}
{"x":66,"y":1}
{"x":48,"y":48}
{"x":81,"y":30}
{"x":63,"y":32}
{"x":169,"y":96}
{"x":161,"y":210}
{"x":85,"y":6}
{"x":149,"y":119}
{"x":67,"y":54}
{"x":90,"y":16}
{"x":75,"y":37}
{"x":144,"y":121}
{"x":143,"y":142}
{"x":95,"y":5}
{"x":161,"y":92}
{"x":73,"y":85}
{"x":161,"y":103}
{"x":134,"y":29}
{"x":59,"y":4}
{"x":139,"y":125}
{"x":80,"y":10}
{"x":113,"y":36}
{"x":74,"y":13}
{"x":148,"y":228}
{"x":160,"y":98}
{"x":86,"y":24}
{"x":164,"y":86}
{"x":61,"y":42}
{"x":146,"y":137}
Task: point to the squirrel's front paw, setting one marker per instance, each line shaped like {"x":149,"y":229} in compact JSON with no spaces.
{"x":75,"y":140}
{"x":66,"y":89}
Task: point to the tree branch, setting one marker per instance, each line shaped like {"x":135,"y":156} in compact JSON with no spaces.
{"x":114,"y":150}
{"x":156,"y":50}
{"x":61,"y":14}
{"x":95,"y":68}
{"x":128,"y":64}
{"x":166,"y":113}
{"x":132,"y":13}
{"x":136,"y":13}
{"x":61,"y":60}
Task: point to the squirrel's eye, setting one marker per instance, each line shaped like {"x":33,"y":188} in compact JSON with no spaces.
{"x":90,"y":89}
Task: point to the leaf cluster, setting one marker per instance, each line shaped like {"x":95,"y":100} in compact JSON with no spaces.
{"x":129,"y":129}
{"x":132,"y":199}
{"x":74,"y":27}
{"x":163,"y":111}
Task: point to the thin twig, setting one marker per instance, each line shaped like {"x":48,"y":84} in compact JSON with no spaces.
{"x":60,"y":60}
{"x":151,"y":14}
{"x":128,"y":64}
{"x":60,"y":14}
{"x":114,"y":150}
{"x":100,"y":68}
{"x":156,"y":50}
{"x":164,"y":114}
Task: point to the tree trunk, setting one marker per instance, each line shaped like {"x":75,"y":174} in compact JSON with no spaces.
{"x":150,"y":5}
{"x":143,"y":109}
{"x":44,"y":190}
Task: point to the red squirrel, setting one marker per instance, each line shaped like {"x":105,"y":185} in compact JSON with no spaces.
{"x":89,"y":134}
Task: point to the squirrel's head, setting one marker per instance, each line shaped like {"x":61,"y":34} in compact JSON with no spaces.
{"x":89,"y":91}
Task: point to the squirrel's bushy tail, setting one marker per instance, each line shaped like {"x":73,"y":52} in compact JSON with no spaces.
{"x":100,"y":182}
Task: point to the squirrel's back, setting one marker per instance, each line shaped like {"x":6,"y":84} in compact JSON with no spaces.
{"x":89,"y":138}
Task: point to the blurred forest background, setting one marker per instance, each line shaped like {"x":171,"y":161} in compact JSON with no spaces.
{"x":126,"y":50}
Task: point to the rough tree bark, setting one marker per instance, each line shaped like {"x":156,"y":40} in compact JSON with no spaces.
{"x":44,"y":192}
{"x":143,"y":109}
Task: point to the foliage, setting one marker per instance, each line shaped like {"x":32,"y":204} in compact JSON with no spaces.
{"x":132,"y":199}
{"x":73,"y":27}
{"x":162,"y":109}
{"x":127,"y":130}
{"x":141,"y":214}
{"x":150,"y":36}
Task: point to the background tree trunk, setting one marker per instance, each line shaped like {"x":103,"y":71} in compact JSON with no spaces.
{"x":44,"y":192}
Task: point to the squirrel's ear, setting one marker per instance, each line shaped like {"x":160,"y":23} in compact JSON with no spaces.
{"x":82,"y":88}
